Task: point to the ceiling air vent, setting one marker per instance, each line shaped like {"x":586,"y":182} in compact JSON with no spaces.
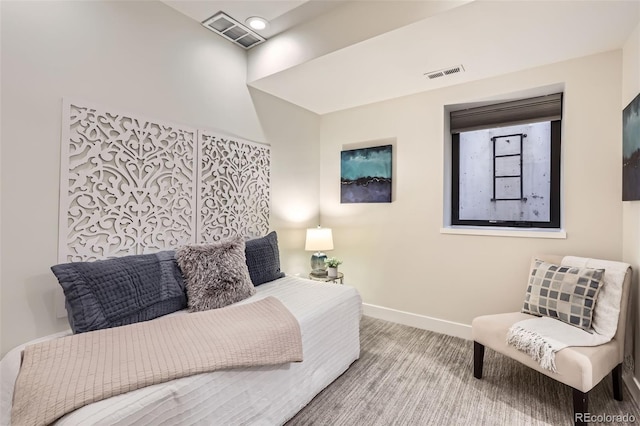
{"x":232,"y":30}
{"x":444,"y":72}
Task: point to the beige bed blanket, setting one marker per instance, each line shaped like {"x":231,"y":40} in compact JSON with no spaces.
{"x":61,"y":375}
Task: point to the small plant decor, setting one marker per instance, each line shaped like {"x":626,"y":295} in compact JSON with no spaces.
{"x":332,"y":262}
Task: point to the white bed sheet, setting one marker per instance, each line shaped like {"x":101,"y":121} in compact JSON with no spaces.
{"x":329,"y":317}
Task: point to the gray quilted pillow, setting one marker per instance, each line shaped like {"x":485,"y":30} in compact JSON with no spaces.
{"x":263,"y":259}
{"x":125,"y":290}
{"x":216,"y":275}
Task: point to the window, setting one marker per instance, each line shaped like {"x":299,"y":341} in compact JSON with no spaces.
{"x":505,"y":163}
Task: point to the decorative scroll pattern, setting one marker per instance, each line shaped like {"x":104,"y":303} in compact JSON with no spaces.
{"x":234,"y":188}
{"x":127,"y":185}
{"x":131,"y":185}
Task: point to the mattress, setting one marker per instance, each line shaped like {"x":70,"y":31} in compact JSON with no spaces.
{"x":329,"y":317}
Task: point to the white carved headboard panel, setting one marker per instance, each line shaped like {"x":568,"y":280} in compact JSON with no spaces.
{"x":234,"y":188}
{"x":132,"y":185}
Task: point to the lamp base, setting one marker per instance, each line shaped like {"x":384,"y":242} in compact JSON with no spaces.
{"x":318,"y":267}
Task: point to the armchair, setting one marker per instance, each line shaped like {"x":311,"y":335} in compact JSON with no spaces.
{"x":580,"y":367}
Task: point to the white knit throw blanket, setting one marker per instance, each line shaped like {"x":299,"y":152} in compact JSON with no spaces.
{"x":542,"y":337}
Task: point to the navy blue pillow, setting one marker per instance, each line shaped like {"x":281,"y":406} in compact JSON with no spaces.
{"x":120,"y":291}
{"x":263,"y":259}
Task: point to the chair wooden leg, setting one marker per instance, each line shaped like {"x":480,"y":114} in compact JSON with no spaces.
{"x":616,"y":374}
{"x":478,"y":358}
{"x":580,"y":407}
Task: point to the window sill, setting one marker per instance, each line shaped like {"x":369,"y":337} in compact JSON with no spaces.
{"x":504,"y":232}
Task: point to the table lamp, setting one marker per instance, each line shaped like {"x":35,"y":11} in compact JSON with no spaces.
{"x":318,"y":239}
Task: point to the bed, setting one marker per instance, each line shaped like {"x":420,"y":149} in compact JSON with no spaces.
{"x":328,"y":316}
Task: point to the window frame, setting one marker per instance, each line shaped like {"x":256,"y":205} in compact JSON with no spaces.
{"x":554,"y":190}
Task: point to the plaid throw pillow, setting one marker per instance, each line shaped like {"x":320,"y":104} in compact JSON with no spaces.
{"x":563,"y":292}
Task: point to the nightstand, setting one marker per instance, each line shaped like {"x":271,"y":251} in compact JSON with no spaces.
{"x":327,"y":279}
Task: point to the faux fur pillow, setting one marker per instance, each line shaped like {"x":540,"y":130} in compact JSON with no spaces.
{"x":216,"y":275}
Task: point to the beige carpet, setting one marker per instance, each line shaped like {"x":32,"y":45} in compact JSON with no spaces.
{"x":407,"y":376}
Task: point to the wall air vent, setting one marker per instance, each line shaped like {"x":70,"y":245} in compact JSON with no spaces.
{"x":232,"y":30}
{"x":444,"y":72}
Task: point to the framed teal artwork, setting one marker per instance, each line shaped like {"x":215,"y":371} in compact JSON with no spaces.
{"x":631,"y":151}
{"x":365,"y":175}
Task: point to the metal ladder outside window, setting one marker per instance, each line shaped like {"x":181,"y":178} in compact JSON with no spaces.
{"x":507,"y":167}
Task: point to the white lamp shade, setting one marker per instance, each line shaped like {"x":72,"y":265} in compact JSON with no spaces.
{"x":319,"y":239}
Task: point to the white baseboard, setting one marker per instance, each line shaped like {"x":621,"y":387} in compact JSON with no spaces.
{"x":418,"y":321}
{"x":633,"y":385}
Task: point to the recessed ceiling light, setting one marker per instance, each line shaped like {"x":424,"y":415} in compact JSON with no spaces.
{"x":257,"y":23}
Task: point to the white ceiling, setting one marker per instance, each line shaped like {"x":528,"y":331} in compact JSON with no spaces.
{"x":488,"y":38}
{"x":281,"y":14}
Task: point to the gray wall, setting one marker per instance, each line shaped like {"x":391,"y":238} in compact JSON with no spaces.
{"x":396,"y":254}
{"x":631,"y":209}
{"x":140,"y":57}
